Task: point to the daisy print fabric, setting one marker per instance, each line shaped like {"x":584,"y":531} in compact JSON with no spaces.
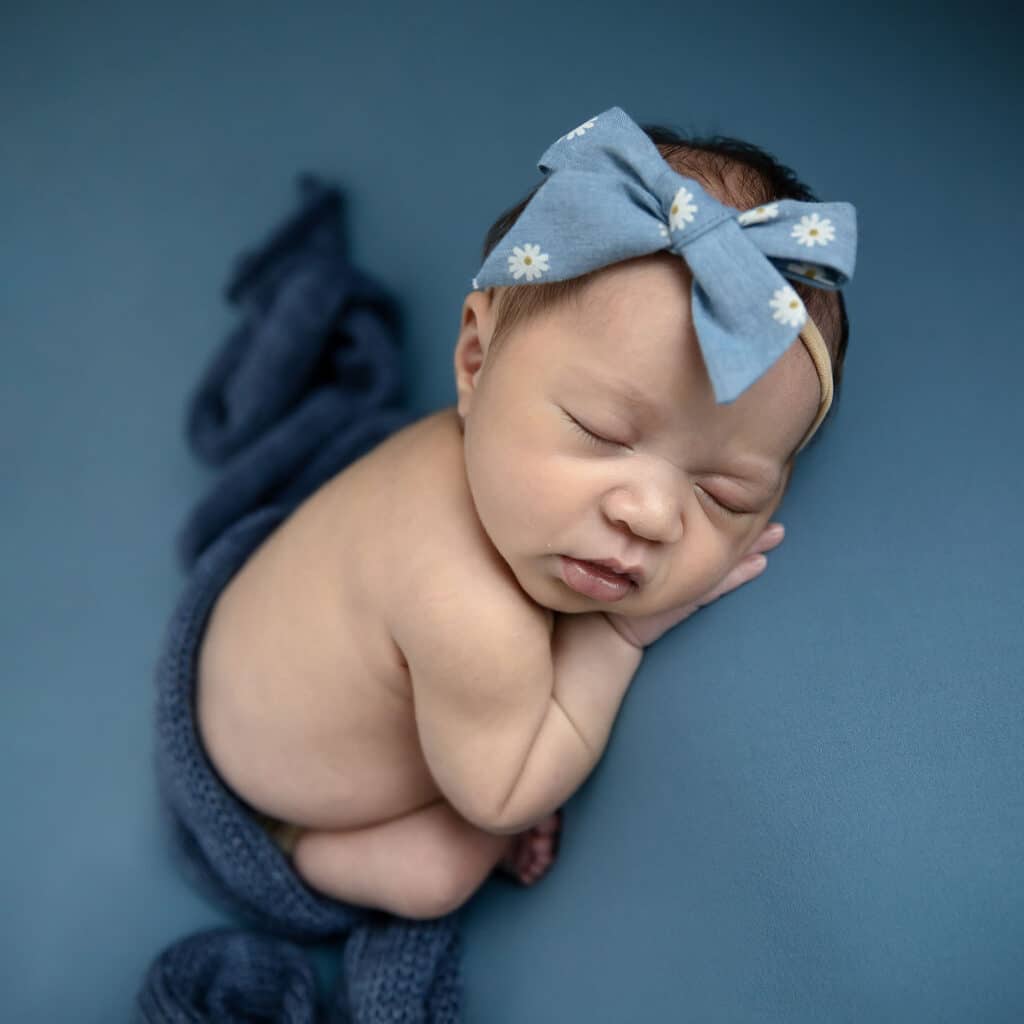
{"x":813,"y":230}
{"x":580,"y":129}
{"x":759,"y":214}
{"x":608,"y":196}
{"x":788,"y":307}
{"x":527,"y":261}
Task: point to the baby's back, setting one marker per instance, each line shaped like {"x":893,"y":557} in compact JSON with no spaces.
{"x":304,"y":702}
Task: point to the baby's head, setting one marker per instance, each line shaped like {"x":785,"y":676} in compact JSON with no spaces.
{"x":591,"y":427}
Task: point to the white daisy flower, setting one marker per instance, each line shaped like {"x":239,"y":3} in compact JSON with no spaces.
{"x":812,"y":231}
{"x":682,"y":210}
{"x":787,"y":307}
{"x":759,"y":214}
{"x":528,"y":260}
{"x":809,"y":270}
{"x":580,"y":129}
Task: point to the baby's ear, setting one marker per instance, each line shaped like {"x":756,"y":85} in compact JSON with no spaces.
{"x":471,"y":346}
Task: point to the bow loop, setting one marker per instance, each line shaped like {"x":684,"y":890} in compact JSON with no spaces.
{"x":812,"y":242}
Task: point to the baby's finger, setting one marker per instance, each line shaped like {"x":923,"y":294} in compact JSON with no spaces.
{"x":771,"y":537}
{"x":743,"y":572}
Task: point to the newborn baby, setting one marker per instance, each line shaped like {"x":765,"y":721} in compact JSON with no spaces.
{"x":416,"y":670}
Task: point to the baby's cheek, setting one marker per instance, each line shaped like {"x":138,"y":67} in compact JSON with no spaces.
{"x":695,"y":573}
{"x":515,"y":490}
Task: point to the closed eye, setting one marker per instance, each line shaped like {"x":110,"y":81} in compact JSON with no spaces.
{"x":589,"y":435}
{"x":724,"y":508}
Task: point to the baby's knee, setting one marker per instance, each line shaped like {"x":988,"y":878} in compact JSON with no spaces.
{"x":428,"y":892}
{"x":415,"y":888}
{"x":427,"y":904}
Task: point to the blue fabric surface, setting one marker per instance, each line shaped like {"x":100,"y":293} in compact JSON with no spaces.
{"x":303,"y":387}
{"x":812,"y":807}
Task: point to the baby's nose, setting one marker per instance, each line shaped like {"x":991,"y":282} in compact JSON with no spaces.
{"x":650,"y":506}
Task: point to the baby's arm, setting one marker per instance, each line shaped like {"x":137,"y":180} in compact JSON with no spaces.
{"x":511,"y":716}
{"x":592,"y":666}
{"x":591,"y":675}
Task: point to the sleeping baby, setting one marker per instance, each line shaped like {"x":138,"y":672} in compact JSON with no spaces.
{"x":424,"y":661}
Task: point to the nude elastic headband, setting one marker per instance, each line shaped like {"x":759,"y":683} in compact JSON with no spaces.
{"x":816,"y":349}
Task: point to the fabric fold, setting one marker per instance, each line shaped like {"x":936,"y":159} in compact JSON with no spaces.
{"x":314,"y":364}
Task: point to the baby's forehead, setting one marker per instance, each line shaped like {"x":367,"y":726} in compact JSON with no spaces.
{"x":659,"y":376}
{"x":629,"y":281}
{"x":630,"y":336}
{"x":650,"y":295}
{"x":655,"y":348}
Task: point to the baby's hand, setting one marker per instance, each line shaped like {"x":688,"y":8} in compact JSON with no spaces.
{"x":643,"y":630}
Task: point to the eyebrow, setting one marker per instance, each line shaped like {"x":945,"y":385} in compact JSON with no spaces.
{"x":750,"y":467}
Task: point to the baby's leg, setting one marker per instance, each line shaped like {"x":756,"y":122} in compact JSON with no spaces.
{"x":421,"y":865}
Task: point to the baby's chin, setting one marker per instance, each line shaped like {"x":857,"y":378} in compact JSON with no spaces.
{"x":544,"y":588}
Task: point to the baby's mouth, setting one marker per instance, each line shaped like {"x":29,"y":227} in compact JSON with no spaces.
{"x":634,"y":573}
{"x":596,"y":581}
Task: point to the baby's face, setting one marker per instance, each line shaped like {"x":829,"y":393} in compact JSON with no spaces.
{"x":654,"y":486}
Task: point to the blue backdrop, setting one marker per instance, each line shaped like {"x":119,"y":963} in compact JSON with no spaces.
{"x":812,"y":807}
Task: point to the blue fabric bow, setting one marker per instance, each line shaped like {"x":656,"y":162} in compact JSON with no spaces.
{"x":609,"y":196}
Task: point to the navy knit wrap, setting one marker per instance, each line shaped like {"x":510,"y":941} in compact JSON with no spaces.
{"x":308,"y":383}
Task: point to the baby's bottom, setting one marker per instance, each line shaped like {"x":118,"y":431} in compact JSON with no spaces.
{"x":421,"y":865}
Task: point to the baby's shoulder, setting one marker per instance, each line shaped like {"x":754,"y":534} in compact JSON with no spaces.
{"x":420,"y":474}
{"x":440,"y":543}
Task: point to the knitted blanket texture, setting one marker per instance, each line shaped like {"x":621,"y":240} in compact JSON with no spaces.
{"x":309,"y":382}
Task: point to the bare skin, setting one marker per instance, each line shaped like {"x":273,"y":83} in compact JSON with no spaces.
{"x":337,"y":755}
{"x":304,"y":704}
{"x":443,"y":544}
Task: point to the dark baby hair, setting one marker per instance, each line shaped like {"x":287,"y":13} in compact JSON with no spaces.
{"x":738,"y":174}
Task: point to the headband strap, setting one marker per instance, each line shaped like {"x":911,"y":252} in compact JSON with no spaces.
{"x":816,"y":349}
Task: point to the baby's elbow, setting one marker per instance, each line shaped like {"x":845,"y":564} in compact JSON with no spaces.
{"x":483,"y":815}
{"x":505,"y":829}
{"x":472,"y":782}
{"x":501,"y":817}
{"x":496,"y":827}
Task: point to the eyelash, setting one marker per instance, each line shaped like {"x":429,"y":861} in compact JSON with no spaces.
{"x":725,"y":508}
{"x":596,"y":439}
{"x":589,"y":435}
